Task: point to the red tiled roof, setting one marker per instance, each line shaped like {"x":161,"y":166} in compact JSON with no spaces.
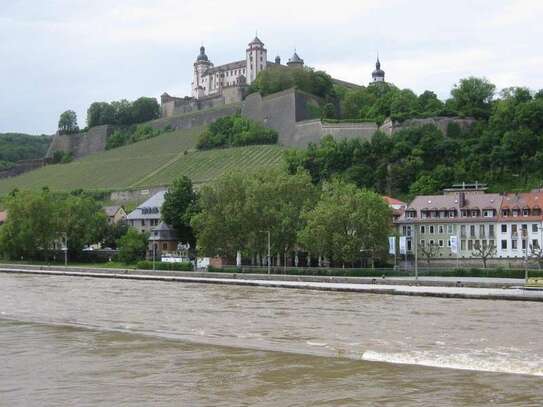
{"x":393,"y":201}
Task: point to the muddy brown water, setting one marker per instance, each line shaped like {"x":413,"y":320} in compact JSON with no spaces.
{"x":87,"y":342}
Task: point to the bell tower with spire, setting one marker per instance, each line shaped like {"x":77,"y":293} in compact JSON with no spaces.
{"x":378,"y":75}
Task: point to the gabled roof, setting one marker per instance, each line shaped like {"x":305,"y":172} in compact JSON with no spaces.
{"x":393,"y":201}
{"x":112,"y":210}
{"x":155,"y":202}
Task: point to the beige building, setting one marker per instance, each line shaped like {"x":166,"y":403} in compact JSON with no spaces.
{"x":115,"y":214}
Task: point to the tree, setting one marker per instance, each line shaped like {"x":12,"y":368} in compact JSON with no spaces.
{"x":222,"y":226}
{"x":536,"y":254}
{"x":178,"y":208}
{"x":83,"y":221}
{"x":145,"y":109}
{"x":276,"y":201}
{"x":428,"y":251}
{"x":345,"y":222}
{"x":132,"y":246}
{"x":32,"y":227}
{"x":473,"y":97}
{"x":100,"y":113}
{"x":484,"y":252}
{"x":67,"y":123}
{"x":112,"y":233}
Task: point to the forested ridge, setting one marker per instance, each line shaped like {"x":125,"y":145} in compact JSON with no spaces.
{"x":504,"y":148}
{"x":15,"y":147}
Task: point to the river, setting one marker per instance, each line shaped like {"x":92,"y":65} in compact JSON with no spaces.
{"x":87,"y":342}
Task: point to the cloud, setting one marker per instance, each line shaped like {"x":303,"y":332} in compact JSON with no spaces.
{"x":65,"y":54}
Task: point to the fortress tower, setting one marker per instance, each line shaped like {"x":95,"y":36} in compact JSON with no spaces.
{"x":378,"y":75}
{"x":295,"y":61}
{"x":202,"y":64}
{"x":256,"y":58}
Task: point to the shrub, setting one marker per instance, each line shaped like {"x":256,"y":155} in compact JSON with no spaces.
{"x":148,"y":265}
{"x":132,"y":246}
{"x":235,"y":131}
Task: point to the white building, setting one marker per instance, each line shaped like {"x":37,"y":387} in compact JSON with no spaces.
{"x":209,"y":80}
{"x":147,"y":215}
{"x":520,"y":228}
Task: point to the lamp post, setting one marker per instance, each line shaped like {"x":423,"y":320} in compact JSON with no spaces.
{"x":416,"y":252}
{"x":269,"y":249}
{"x":65,"y":249}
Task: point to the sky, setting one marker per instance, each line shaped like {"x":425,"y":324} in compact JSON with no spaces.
{"x":57,"y":55}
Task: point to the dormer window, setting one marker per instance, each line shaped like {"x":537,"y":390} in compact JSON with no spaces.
{"x":525,"y":212}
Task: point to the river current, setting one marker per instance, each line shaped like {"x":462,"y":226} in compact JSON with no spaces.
{"x":83,"y":341}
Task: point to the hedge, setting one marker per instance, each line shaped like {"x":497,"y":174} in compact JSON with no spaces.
{"x":470,"y":272}
{"x":148,"y":265}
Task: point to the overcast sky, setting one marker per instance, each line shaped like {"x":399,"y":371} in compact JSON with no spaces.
{"x":65,"y":54}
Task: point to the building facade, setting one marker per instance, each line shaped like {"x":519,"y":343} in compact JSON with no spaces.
{"x":210,"y":80}
{"x":468,"y":223}
{"x":147,"y":215}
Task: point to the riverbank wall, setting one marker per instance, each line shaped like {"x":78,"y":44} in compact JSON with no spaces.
{"x":424,"y":288}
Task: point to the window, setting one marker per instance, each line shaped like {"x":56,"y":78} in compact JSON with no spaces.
{"x":470,"y":245}
{"x":422,"y":243}
{"x":490,"y":230}
{"x":423,"y":230}
{"x":441,"y":244}
{"x":484,"y":242}
{"x":463,"y":230}
{"x":409,"y":245}
{"x":432,"y":242}
{"x":535,"y":244}
{"x":513,"y":230}
{"x":448,"y":242}
{"x":504,"y":244}
{"x":441,"y":229}
{"x":516,"y":212}
{"x":514,"y":244}
{"x":525,"y":212}
{"x":505,"y":212}
{"x":432,"y":230}
{"x":164,"y":246}
{"x":491,"y":243}
{"x":477,"y":244}
{"x":471,"y":230}
{"x":450,"y":229}
{"x":143,"y":222}
{"x":534,"y":227}
{"x":481,"y":230}
{"x":462,"y":245}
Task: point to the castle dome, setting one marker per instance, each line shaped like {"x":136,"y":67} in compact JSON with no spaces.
{"x":378,"y":74}
{"x":202,"y":57}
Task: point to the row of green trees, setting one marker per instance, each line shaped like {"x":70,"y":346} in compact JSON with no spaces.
{"x":236,"y":213}
{"x":235,"y":131}
{"x":504,"y":150}
{"x":132,"y":134}
{"x":40,"y":222}
{"x":15,"y":147}
{"x":123,"y":112}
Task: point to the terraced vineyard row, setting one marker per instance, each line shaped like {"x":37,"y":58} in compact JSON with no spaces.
{"x":204,"y":166}
{"x":148,"y":163}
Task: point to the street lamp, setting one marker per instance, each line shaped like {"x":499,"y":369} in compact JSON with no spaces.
{"x":269,"y":249}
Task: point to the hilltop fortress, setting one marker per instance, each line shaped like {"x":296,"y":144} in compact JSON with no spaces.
{"x":214,"y":86}
{"x":222,"y":90}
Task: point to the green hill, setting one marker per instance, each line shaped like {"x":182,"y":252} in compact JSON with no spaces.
{"x":16,"y":146}
{"x":152,"y":162}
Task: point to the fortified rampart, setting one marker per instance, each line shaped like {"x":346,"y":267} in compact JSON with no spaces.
{"x":442,"y":123}
{"x":195,"y":119}
{"x":81,"y":144}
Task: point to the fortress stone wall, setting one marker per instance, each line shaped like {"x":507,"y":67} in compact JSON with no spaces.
{"x":442,"y":123}
{"x":81,"y":144}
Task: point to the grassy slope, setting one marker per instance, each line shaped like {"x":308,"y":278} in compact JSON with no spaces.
{"x":148,"y":163}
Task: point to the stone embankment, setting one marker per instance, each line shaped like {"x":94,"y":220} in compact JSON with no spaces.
{"x":442,"y":288}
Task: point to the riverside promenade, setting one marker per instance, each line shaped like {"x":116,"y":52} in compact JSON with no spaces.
{"x":509,"y":289}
